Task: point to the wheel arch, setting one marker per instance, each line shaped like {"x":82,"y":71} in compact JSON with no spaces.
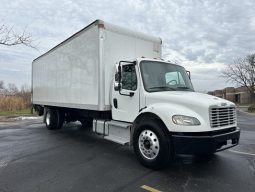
{"x":148,"y":115}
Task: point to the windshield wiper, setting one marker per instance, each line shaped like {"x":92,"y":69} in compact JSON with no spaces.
{"x":186,"y":88}
{"x":163,"y":87}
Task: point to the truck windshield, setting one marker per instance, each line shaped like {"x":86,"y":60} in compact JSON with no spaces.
{"x":159,"y":76}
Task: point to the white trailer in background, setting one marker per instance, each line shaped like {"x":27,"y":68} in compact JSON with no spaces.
{"x":113,"y":80}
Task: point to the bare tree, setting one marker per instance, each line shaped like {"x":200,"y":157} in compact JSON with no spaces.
{"x":25,"y":93}
{"x":9,"y":38}
{"x":242,"y":73}
{"x":12,"y":88}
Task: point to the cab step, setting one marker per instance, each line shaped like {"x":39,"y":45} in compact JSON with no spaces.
{"x":116,"y":131}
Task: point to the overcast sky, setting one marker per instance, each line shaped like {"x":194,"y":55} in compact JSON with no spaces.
{"x":202,"y":35}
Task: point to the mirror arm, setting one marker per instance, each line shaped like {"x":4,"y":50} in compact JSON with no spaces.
{"x":131,"y":94}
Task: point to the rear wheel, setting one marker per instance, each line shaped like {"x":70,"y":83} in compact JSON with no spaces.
{"x":152,"y":144}
{"x":54,"y":119}
{"x":61,"y":118}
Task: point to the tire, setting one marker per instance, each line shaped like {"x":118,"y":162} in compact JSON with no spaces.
{"x":61,"y":118}
{"x":54,"y":119}
{"x":152,"y":144}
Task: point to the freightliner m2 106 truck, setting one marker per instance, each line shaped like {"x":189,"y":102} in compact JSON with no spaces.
{"x":114,"y":81}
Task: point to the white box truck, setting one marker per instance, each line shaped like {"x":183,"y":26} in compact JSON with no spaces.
{"x":114,"y":81}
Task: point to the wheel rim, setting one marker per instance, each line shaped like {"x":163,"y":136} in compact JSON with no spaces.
{"x":148,"y":144}
{"x":48,"y":118}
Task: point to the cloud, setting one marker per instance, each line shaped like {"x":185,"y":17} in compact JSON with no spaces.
{"x":201,"y":35}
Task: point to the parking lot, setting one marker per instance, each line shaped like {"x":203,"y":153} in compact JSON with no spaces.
{"x":72,"y":159}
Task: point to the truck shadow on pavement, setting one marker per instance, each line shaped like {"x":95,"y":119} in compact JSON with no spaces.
{"x":77,"y":133}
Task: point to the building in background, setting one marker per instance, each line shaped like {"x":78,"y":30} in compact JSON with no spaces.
{"x":238,"y":95}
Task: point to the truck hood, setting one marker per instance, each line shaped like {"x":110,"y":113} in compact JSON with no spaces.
{"x":169,"y":103}
{"x":188,"y":99}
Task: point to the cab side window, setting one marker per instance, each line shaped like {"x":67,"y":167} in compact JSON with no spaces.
{"x":129,"y":79}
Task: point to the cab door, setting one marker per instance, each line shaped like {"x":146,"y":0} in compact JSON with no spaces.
{"x":125,"y":98}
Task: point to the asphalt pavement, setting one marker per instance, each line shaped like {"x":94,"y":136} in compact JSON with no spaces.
{"x":72,"y":159}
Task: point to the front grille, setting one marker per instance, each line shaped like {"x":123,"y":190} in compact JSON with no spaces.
{"x":222,"y":116}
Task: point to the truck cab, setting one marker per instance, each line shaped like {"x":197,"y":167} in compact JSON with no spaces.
{"x":157,"y":96}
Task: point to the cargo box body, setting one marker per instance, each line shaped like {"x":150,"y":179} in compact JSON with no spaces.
{"x":78,"y":72}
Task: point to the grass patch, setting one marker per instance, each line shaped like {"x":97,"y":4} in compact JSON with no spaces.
{"x":16,"y":112}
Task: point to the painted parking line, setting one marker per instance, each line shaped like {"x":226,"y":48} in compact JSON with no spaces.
{"x":243,"y":153}
{"x":148,"y":188}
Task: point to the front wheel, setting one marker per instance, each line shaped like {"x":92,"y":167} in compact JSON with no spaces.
{"x":152,"y":144}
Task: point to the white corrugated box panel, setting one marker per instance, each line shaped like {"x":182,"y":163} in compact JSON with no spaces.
{"x":78,"y":72}
{"x":67,"y":76}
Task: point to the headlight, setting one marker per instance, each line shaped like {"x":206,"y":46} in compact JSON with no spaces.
{"x":185,"y":120}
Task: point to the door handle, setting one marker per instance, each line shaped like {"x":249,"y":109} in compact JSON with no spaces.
{"x":115,"y":103}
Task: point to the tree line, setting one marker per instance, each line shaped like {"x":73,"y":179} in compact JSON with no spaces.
{"x":12,"y":98}
{"x":242,"y":72}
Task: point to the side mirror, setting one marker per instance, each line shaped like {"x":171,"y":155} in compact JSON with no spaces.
{"x":117,"y":86}
{"x":188,"y":72}
{"x":119,"y":74}
{"x":117,"y":78}
{"x":116,"y":81}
